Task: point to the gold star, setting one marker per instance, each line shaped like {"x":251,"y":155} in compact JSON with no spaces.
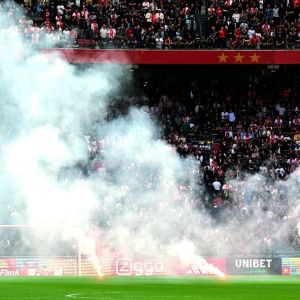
{"x":254,"y":58}
{"x":223,"y":58}
{"x":238,"y":57}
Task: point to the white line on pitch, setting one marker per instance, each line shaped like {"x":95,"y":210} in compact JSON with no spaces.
{"x":100,"y":296}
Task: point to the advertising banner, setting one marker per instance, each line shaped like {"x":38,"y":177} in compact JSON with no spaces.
{"x":253,"y":266}
{"x":291,"y":266}
{"x":210,"y":266}
{"x":124,"y":266}
{"x":26,"y":267}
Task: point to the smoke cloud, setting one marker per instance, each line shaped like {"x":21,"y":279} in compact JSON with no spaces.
{"x":143,"y":199}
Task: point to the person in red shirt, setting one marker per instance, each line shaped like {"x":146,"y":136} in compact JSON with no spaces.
{"x":273,"y":138}
{"x":222,"y":38}
{"x":185,"y":10}
{"x":237,"y":35}
{"x":247,"y":138}
{"x":211,"y":11}
{"x":153,"y":17}
{"x":238,"y":138}
{"x":128,"y":33}
{"x":217,"y":202}
{"x":266,"y":27}
{"x":254,"y":41}
{"x":111,"y":33}
{"x":95,"y":29}
{"x":219,"y":12}
{"x":102,"y":2}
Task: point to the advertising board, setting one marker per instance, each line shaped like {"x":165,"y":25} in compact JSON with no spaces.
{"x":291,"y":266}
{"x":26,"y":267}
{"x":133,"y":266}
{"x":253,"y":266}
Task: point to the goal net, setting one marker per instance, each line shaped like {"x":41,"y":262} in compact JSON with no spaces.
{"x":28,"y":251}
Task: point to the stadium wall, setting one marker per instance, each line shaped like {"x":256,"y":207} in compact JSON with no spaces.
{"x":179,"y":57}
{"x":143,"y":266}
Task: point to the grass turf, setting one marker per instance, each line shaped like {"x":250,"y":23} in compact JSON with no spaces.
{"x":154,"y":288}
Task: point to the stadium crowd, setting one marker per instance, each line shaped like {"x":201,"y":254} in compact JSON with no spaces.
{"x":161,"y":24}
{"x":234,"y":131}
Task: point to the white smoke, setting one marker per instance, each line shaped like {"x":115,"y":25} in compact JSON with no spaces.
{"x":46,"y":109}
{"x":144,"y":200}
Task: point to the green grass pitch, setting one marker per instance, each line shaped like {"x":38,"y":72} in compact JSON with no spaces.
{"x":154,"y":288}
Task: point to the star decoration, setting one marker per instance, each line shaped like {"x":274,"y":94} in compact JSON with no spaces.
{"x":223,"y":58}
{"x":254,"y":58}
{"x":238,"y":57}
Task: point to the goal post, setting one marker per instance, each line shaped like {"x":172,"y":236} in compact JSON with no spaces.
{"x":27,"y":250}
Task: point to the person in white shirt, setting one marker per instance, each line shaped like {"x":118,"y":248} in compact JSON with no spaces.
{"x":148,"y":17}
{"x":251,"y":32}
{"x":60,"y":9}
{"x":236,"y":17}
{"x":145,"y":5}
{"x":159,"y":41}
{"x":153,"y":5}
{"x":231,"y":117}
{"x":217,"y":185}
{"x":159,"y":15}
{"x":280,"y":109}
{"x":276,"y":12}
{"x":103,"y":33}
{"x":224,"y":115}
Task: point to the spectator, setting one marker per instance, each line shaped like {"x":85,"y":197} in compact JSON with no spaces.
{"x":231,"y":117}
{"x":216,"y":186}
{"x":104,"y":34}
{"x":259,"y":25}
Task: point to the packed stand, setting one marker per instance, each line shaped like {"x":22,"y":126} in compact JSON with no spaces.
{"x":108,"y":24}
{"x":235,"y":131}
{"x":244,"y":137}
{"x":253,"y":24}
{"x":130,"y":24}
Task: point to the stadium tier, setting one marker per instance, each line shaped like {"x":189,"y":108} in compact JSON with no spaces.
{"x":130,"y":24}
{"x":234,"y":132}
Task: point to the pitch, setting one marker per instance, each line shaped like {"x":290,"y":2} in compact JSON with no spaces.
{"x":142,"y":288}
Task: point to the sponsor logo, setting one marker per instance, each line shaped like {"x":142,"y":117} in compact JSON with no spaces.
{"x":44,"y":272}
{"x":245,"y":263}
{"x":128,"y":267}
{"x":6,"y":272}
{"x":30,"y":272}
{"x":198,"y":270}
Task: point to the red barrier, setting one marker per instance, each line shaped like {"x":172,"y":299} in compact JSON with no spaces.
{"x":178,"y":57}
